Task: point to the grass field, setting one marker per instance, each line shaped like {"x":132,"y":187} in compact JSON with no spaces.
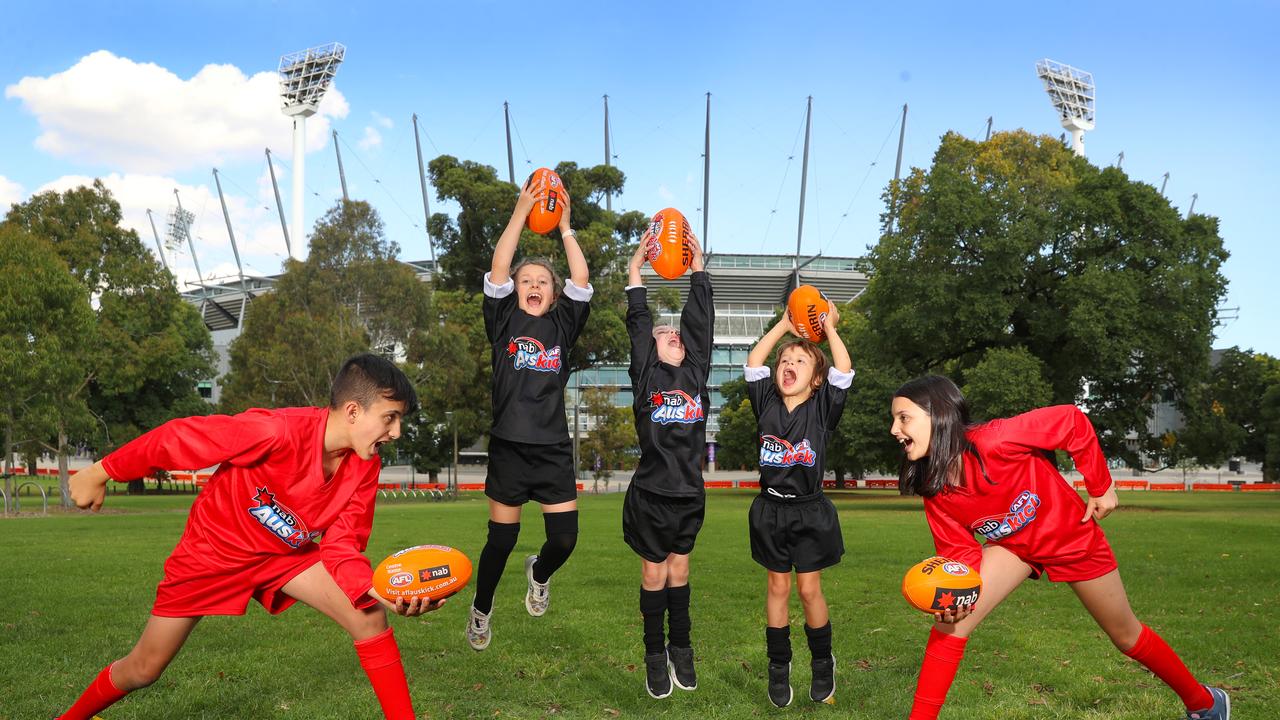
{"x":1200,"y":568}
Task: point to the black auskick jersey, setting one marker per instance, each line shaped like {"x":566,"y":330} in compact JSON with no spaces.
{"x":529,"y":356}
{"x":793,"y":445}
{"x":671,"y":401}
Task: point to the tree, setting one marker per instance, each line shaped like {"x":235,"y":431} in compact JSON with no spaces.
{"x":44,"y":319}
{"x":1270,"y":430}
{"x":613,"y":433}
{"x":349,"y":296}
{"x":1006,"y":382}
{"x":1017,"y":243}
{"x":146,"y":349}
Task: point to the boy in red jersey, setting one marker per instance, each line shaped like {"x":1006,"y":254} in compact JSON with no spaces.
{"x":285,"y":478}
{"x":998,"y":480}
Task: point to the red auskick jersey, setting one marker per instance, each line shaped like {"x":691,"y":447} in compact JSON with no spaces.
{"x":1029,"y":508}
{"x":268,"y":495}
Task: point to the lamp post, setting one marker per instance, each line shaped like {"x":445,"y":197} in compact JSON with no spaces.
{"x":451,"y":479}
{"x":305,"y":77}
{"x":1072,"y":93}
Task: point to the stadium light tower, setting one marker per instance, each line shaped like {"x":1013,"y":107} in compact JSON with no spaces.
{"x":305,"y":77}
{"x":1071,"y":92}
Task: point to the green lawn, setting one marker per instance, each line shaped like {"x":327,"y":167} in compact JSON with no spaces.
{"x":1201,"y":569}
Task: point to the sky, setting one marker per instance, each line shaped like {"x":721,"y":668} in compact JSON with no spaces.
{"x":151,"y":97}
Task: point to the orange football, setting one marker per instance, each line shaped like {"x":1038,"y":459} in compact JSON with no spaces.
{"x":669,"y":252}
{"x":938,"y":584}
{"x":807,"y":309}
{"x":431,"y":571}
{"x":545,"y":216}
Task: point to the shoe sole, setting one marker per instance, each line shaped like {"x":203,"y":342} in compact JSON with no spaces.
{"x":656,"y":697}
{"x":791,"y":692}
{"x":675,"y":682}
{"x":528,"y":578}
{"x":830,"y":699}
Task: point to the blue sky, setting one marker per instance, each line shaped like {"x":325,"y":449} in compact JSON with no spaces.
{"x":152,"y":96}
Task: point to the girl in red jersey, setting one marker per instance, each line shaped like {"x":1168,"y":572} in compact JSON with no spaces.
{"x":532,"y":326}
{"x":285,"y":477}
{"x":998,"y":480}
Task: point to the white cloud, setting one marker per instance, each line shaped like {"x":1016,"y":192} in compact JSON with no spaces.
{"x":665,"y":193}
{"x":257,"y":227}
{"x":141,"y":117}
{"x":10,"y":193}
{"x":372,"y":139}
{"x":382,"y":120}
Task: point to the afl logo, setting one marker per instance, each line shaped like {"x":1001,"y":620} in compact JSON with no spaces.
{"x":955,"y":568}
{"x":400,"y":579}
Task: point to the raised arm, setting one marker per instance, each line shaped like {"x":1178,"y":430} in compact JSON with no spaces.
{"x":578,"y":271}
{"x":840,"y":359}
{"x":637,"y":261}
{"x":759,"y":354}
{"x":505,"y":250}
{"x":698,"y":318}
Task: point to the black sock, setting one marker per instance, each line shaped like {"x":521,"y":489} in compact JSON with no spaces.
{"x":653,"y":606}
{"x":819,"y":641}
{"x":562,"y":535}
{"x":493,"y":559}
{"x":678,"y":615}
{"x":778,"y":644}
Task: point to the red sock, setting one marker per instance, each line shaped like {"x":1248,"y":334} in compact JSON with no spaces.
{"x":380,"y":658}
{"x":100,"y":695}
{"x":1151,"y":650}
{"x":941,"y":660}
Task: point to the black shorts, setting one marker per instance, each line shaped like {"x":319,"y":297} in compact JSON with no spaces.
{"x":520,"y":472}
{"x":801,"y":535}
{"x":656,"y":526}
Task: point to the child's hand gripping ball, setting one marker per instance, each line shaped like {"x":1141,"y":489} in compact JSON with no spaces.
{"x":807,"y":309}
{"x":433,"y":572}
{"x":939,"y":584}
{"x":668,"y":251}
{"x":545,"y":216}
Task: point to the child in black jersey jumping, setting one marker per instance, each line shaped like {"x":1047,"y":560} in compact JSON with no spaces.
{"x":664,"y":506}
{"x":531,"y":327}
{"x":793,"y":525}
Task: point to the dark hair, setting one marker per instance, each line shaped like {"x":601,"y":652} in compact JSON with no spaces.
{"x":367,"y":377}
{"x":815,"y":352}
{"x":949,"y":421}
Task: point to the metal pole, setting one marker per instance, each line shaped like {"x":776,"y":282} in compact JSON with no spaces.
{"x":608,"y":197}
{"x":190,"y":244}
{"x":706,"y":177}
{"x":342,"y":175}
{"x":1194,"y":197}
{"x":1119,"y":159}
{"x":455,"y":458}
{"x":577,"y":400}
{"x":299,"y":160}
{"x":511,"y":163}
{"x":990,"y":118}
{"x":804,"y":179}
{"x":422,"y":179}
{"x":244,"y":291}
{"x":284,"y":227}
{"x":1166,"y":182}
{"x":159,"y":246}
{"x":897,"y":168}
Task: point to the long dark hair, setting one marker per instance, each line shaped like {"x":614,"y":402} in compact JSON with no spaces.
{"x":949,"y":420}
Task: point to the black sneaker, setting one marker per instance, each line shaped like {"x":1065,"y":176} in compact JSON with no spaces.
{"x":780,"y":685}
{"x":680,"y":662}
{"x":822,"y":688}
{"x":657,"y":680}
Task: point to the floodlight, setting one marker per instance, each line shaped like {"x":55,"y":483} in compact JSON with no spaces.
{"x":305,"y":77}
{"x":1072,"y":94}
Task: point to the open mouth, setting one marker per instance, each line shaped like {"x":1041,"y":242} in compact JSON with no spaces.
{"x":906,"y":444}
{"x":788,"y":378}
{"x":533,"y":300}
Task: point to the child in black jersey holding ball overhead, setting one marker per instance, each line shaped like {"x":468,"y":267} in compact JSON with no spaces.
{"x":792,"y":524}
{"x":663,"y":510}
{"x":531,"y":328}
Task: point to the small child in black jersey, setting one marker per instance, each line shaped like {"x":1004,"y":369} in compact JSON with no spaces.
{"x":531,"y":327}
{"x":793,"y":525}
{"x":663,"y":511}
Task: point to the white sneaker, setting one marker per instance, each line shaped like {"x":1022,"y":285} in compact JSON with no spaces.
{"x":538,"y":596}
{"x":478,"y":632}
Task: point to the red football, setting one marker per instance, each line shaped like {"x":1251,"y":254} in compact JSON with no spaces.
{"x":431,"y":571}
{"x":807,"y":308}
{"x":545,"y":216}
{"x":938,"y":584}
{"x":669,"y":252}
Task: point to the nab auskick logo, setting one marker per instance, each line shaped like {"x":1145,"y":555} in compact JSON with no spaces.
{"x":528,"y":353}
{"x":675,"y":406}
{"x":1021,"y":513}
{"x":776,"y":452}
{"x":280,"y":520}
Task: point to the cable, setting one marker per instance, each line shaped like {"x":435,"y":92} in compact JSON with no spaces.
{"x":787,"y":171}
{"x":845,"y":214}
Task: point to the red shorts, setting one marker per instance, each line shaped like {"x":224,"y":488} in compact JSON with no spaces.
{"x":1097,"y":562}
{"x":195,"y":584}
